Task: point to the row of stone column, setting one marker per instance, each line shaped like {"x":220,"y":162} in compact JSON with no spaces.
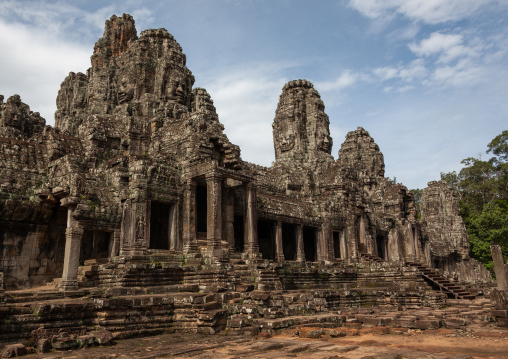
{"x":324,"y":240}
{"x":214,"y":221}
{"x":73,"y":241}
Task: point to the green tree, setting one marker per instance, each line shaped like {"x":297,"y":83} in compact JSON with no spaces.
{"x":488,"y":227}
{"x":417,"y":193}
{"x":482,"y":186}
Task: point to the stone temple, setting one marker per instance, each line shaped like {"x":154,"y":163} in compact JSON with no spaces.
{"x":137,"y":190}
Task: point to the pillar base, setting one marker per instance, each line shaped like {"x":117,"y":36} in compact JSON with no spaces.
{"x":68,"y":285}
{"x":252,"y":252}
{"x":191,"y":248}
{"x":214,"y":248}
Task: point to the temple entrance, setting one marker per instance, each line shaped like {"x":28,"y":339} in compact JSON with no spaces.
{"x":160,"y":219}
{"x":336,"y":245}
{"x":310,"y":243}
{"x":239,"y":234}
{"x":266,"y":238}
{"x":201,"y":209}
{"x":381,"y":246}
{"x":95,"y":245}
{"x":289,"y":241}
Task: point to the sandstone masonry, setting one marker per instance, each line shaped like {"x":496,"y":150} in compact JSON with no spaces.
{"x":137,"y":183}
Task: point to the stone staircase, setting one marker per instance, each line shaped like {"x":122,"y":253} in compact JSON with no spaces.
{"x":371,"y":257}
{"x":436,"y":279}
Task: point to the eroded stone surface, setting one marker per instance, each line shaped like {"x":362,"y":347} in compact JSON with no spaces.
{"x":137,"y":191}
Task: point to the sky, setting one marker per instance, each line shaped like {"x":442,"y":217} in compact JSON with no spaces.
{"x":427,"y":78}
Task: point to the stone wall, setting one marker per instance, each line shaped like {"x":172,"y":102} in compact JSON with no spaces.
{"x":138,"y":163}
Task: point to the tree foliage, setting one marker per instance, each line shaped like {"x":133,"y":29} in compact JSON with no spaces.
{"x":482,"y":186}
{"x":417,"y":194}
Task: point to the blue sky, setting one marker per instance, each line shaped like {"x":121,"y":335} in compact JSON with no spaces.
{"x":427,"y":78}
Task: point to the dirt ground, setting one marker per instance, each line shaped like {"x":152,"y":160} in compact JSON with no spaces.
{"x":370,"y":343}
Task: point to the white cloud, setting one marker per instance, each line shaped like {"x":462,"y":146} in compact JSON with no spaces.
{"x":42,"y":42}
{"x":428,"y":11}
{"x":463,"y":73}
{"x":386,"y":73}
{"x":415,"y":71}
{"x":35,"y":64}
{"x":411,"y":72}
{"x":346,"y":79}
{"x":246,"y":98}
{"x":436,"y":43}
{"x":448,"y":47}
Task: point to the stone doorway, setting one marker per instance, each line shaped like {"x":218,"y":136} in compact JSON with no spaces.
{"x":239,"y":234}
{"x":95,"y":245}
{"x":310,"y":243}
{"x":161,"y":223}
{"x":289,"y":241}
{"x":381,"y":246}
{"x":266,"y":238}
{"x":201,"y":210}
{"x":336,"y":245}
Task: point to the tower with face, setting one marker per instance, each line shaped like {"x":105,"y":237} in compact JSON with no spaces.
{"x":301,"y":127}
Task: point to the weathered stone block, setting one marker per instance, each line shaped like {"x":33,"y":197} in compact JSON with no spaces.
{"x":63,"y":341}
{"x":500,"y":313}
{"x":13,"y":350}
{"x":44,"y":345}
{"x":427,"y":324}
{"x":101,"y":336}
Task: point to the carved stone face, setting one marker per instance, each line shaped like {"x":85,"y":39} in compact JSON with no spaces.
{"x":125,"y":90}
{"x":11,"y":118}
{"x":324,"y":141}
{"x":287,"y":142}
{"x":177,"y":90}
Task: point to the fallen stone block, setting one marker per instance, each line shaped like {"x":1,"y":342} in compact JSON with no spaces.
{"x":101,"y":336}
{"x":63,"y":341}
{"x":378,"y":321}
{"x":85,"y":341}
{"x":316,"y":334}
{"x":44,"y":345}
{"x":427,"y":324}
{"x":406,"y":322}
{"x":500,"y":313}
{"x":334,"y":333}
{"x":242,"y":288}
{"x":13,"y":350}
{"x":456,"y":323}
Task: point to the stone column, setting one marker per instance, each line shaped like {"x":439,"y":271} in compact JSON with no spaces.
{"x":343,"y":244}
{"x":127,"y":229}
{"x":214,"y":214}
{"x":319,"y":244}
{"x":428,"y":259}
{"x":410,"y":242}
{"x":142,"y":228}
{"x":351,"y":235}
{"x":115,"y":248}
{"x":417,"y":244}
{"x":228,"y":220}
{"x":326,"y":241}
{"x":394,"y":252}
{"x":251,"y":222}
{"x":73,"y":236}
{"x":499,"y":267}
{"x":279,"y":249}
{"x":174,"y":241}
{"x":361,"y":235}
{"x":190,"y":246}
{"x":300,"y":252}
